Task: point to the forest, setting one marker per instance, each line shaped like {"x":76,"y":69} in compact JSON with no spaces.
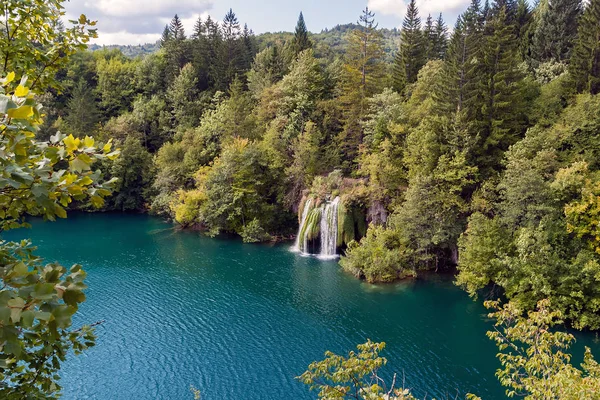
{"x":475,"y":150}
{"x":472,"y":150}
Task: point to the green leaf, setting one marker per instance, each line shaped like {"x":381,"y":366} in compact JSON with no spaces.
{"x":20,"y":269}
{"x":27,"y":319}
{"x":79,"y":165}
{"x":16,"y":307}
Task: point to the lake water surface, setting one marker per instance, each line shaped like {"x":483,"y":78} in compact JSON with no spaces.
{"x":240,"y":321}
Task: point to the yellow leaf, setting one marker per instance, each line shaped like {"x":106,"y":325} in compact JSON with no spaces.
{"x":88,"y":141}
{"x":21,"y":91}
{"x":85,"y":181}
{"x":9,"y":78}
{"x":107,"y":146}
{"x":59,"y":211}
{"x":71,"y":143}
{"x":22,"y":112}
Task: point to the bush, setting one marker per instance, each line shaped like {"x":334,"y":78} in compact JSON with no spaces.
{"x":378,"y":258}
{"x":253,"y":232}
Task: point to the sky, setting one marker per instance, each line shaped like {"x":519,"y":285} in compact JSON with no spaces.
{"x":142,"y":21}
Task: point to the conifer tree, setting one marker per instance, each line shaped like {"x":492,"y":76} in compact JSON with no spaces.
{"x":440,"y":43}
{"x":82,"y":112}
{"x":301,"y":41}
{"x":523,"y":23}
{"x":428,"y":38}
{"x":200,"y":56}
{"x":585,"y":63}
{"x":176,"y":28}
{"x":503,"y":119}
{"x":166,"y":36}
{"x":365,"y":53}
{"x":249,"y":47}
{"x":232,"y":51}
{"x":199,"y":29}
{"x":509,"y":7}
{"x":555,"y":34}
{"x":411,"y":56}
{"x":214,"y":44}
{"x":175,"y":47}
{"x":463,"y":67}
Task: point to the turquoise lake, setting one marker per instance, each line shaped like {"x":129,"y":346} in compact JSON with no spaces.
{"x":240,"y":321}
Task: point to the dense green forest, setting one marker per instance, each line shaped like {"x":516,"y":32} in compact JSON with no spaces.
{"x":476,"y":151}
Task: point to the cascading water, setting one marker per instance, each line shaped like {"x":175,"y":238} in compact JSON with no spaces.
{"x":298,"y":246}
{"x":329,"y":229}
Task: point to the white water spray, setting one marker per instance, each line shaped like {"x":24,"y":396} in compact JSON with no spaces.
{"x":329,"y":229}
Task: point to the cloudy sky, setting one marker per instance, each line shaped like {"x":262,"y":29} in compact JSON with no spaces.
{"x":142,"y":21}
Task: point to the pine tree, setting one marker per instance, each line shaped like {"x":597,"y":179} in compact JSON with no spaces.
{"x":232,"y":51}
{"x":429,"y":38}
{"x":176,"y":28}
{"x":509,"y":7}
{"x":214,"y":44}
{"x":440,"y":43}
{"x":365,"y":55}
{"x":200,"y":56}
{"x":176,"y":52}
{"x":166,"y":36}
{"x":585,"y":63}
{"x":199,"y":29}
{"x":556,"y":31}
{"x":503,"y":109}
{"x":82,"y":112}
{"x":461,"y":92}
{"x":364,"y":71}
{"x":249,"y":47}
{"x":523,"y":27}
{"x":301,"y":41}
{"x":411,"y":56}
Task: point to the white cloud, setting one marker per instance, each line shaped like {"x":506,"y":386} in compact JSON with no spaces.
{"x":434,"y":7}
{"x":134,"y":21}
{"x":153,"y":8}
{"x":125,"y":38}
{"x":388,"y":7}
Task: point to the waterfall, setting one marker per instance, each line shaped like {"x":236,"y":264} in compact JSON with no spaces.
{"x":302,"y":223}
{"x":329,"y":229}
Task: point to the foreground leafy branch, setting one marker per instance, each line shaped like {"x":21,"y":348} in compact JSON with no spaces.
{"x":534,"y":356}
{"x":37,"y":301}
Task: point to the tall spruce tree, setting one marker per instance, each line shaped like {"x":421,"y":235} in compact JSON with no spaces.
{"x":176,"y":52}
{"x":166,"y":36}
{"x":365,"y":55}
{"x":503,"y":116}
{"x":523,"y":21}
{"x":463,"y":67}
{"x":249,"y":47}
{"x":176,"y":28}
{"x":555,"y":33}
{"x":82,"y":112}
{"x":199,"y":29}
{"x":232,"y":49}
{"x":301,"y":41}
{"x":364,"y":71}
{"x":214,"y":44}
{"x":200,"y":56}
{"x":411,"y":55}
{"x":440,"y":43}
{"x":585,"y":63}
{"x":428,"y":38}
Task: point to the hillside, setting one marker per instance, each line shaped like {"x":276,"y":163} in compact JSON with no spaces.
{"x":329,"y":43}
